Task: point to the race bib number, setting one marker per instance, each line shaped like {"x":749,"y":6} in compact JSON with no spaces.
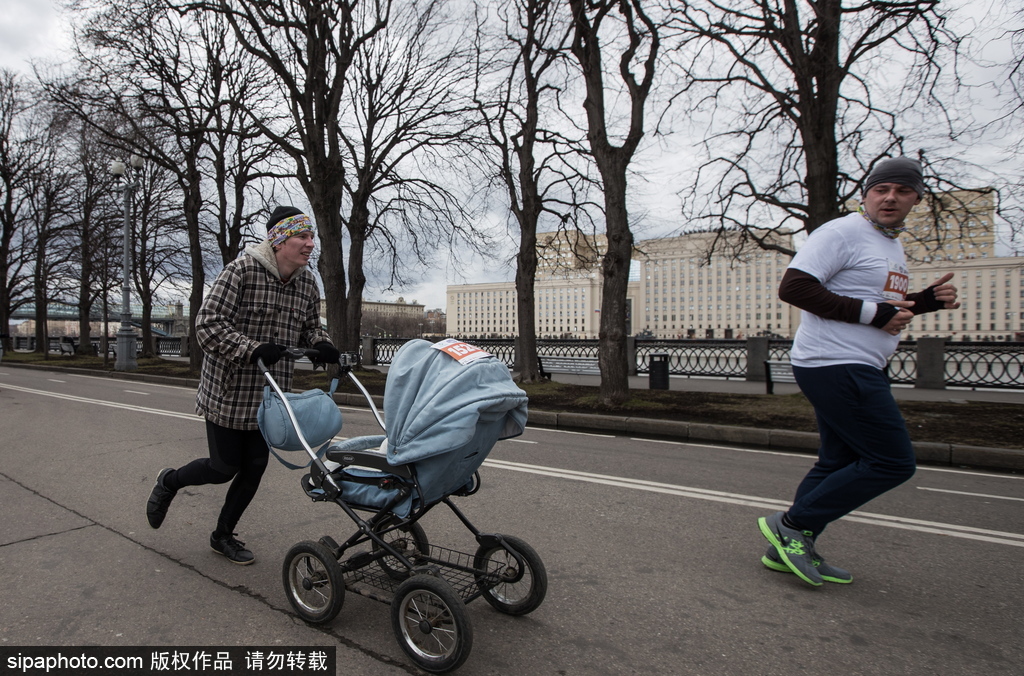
{"x":897,"y":284}
{"x":464,"y":353}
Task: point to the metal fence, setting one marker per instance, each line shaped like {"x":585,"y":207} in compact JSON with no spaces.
{"x":165,"y":346}
{"x":710,"y":358}
{"x":902,"y":367}
{"x":985,"y":365}
{"x":966,"y":364}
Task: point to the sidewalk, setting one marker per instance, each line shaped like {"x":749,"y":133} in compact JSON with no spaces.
{"x":933,"y":453}
{"x":739,"y":386}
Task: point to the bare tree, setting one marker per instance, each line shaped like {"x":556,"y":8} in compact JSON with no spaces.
{"x":406,"y":127}
{"x":165,"y":80}
{"x":238,"y":157}
{"x":17,"y":166}
{"x":803,"y":97}
{"x":309,"y":46}
{"x":627,"y":24}
{"x":159,"y":257}
{"x":528,"y":153}
{"x":92,"y":215}
{"x":47,"y":223}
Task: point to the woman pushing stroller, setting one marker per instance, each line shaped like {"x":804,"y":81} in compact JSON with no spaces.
{"x":261,"y":302}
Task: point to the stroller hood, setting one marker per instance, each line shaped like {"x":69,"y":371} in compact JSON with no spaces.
{"x":433,"y":403}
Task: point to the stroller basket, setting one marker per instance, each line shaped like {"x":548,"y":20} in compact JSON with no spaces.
{"x":455,"y":568}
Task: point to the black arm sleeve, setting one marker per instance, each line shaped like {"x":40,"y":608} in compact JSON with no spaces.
{"x":808,"y":293}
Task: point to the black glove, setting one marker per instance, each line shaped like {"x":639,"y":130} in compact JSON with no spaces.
{"x":328,"y":354}
{"x":883,"y":314}
{"x":268,"y":352}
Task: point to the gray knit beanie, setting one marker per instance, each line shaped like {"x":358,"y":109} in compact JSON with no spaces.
{"x":899,"y":170}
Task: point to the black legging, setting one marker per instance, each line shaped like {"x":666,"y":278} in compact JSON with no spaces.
{"x":234,"y":454}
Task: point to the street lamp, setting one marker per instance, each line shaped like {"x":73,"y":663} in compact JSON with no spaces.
{"x":126,"y":338}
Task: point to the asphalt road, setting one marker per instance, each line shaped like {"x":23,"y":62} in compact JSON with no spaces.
{"x":651,"y":549}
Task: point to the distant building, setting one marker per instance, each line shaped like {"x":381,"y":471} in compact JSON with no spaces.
{"x":683,"y":292}
{"x":567,"y":294}
{"x":434,"y":323}
{"x":392,"y":319}
{"x":953,"y":226}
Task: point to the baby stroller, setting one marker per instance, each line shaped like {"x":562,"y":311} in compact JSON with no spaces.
{"x":447,"y":404}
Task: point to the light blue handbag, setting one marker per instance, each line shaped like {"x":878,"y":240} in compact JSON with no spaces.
{"x":318,"y":416}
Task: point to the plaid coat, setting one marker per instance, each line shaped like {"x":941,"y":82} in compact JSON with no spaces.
{"x":249,"y":305}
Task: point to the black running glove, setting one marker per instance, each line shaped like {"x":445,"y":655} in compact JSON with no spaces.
{"x":268,"y":352}
{"x":328,"y":354}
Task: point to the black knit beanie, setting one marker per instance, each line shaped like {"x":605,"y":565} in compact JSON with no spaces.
{"x":899,"y":170}
{"x":281,"y":213}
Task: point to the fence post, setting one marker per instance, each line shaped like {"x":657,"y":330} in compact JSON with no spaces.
{"x":757,"y":354}
{"x":366,"y":348}
{"x":631,"y":355}
{"x":931,"y":364}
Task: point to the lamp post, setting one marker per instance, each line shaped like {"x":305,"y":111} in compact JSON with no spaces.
{"x":126,"y":338}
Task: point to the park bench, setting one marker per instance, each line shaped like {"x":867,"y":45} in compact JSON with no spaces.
{"x":777,"y":372}
{"x":577,"y":365}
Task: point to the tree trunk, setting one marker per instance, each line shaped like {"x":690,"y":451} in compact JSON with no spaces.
{"x":356,"y":278}
{"x":612,"y":357}
{"x":526,"y":273}
{"x":326,"y":206}
{"x":193,"y":204}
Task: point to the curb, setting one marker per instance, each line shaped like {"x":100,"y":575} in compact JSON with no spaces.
{"x":927,"y":452}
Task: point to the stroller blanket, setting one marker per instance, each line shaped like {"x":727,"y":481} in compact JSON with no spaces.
{"x":434,"y":403}
{"x":443,"y":417}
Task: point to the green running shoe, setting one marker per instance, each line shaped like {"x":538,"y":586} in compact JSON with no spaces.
{"x":828,"y":573}
{"x":795,"y":548}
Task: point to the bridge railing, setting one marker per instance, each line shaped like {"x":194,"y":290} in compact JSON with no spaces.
{"x":165,"y":346}
{"x":928,"y":363}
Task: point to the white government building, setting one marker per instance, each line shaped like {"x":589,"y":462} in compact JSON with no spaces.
{"x":681,"y":292}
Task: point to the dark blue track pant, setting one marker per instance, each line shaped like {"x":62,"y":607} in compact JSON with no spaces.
{"x":865,"y":448}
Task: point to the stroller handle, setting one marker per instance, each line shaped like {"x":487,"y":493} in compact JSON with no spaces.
{"x":345,"y":364}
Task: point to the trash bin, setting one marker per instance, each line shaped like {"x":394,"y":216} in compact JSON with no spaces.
{"x":659,"y":371}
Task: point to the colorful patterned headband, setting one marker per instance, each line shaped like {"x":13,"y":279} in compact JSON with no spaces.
{"x":289,"y":227}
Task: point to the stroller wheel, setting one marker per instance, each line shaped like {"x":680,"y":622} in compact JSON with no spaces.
{"x":313,"y":582}
{"x":507,"y":586}
{"x":409,"y":540}
{"x":431,"y":624}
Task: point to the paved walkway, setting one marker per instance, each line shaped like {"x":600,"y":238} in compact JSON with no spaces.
{"x":737,"y":386}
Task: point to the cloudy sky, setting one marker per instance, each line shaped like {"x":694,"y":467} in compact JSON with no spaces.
{"x":34,"y":29}
{"x":28,"y":28}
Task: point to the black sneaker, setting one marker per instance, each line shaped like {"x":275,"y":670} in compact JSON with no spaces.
{"x":159,"y":500}
{"x":234,"y":550}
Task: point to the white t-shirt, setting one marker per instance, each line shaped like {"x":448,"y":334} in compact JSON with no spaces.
{"x":851,"y":258}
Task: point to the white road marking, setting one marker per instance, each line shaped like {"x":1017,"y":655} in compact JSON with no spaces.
{"x":145,"y":394}
{"x":794,"y":454}
{"x":952,"y":530}
{"x":54,"y":380}
{"x":109,"y":404}
{"x":107,"y":379}
{"x":920,"y":526}
{"x":973,"y":495}
{"x":582,"y":434}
